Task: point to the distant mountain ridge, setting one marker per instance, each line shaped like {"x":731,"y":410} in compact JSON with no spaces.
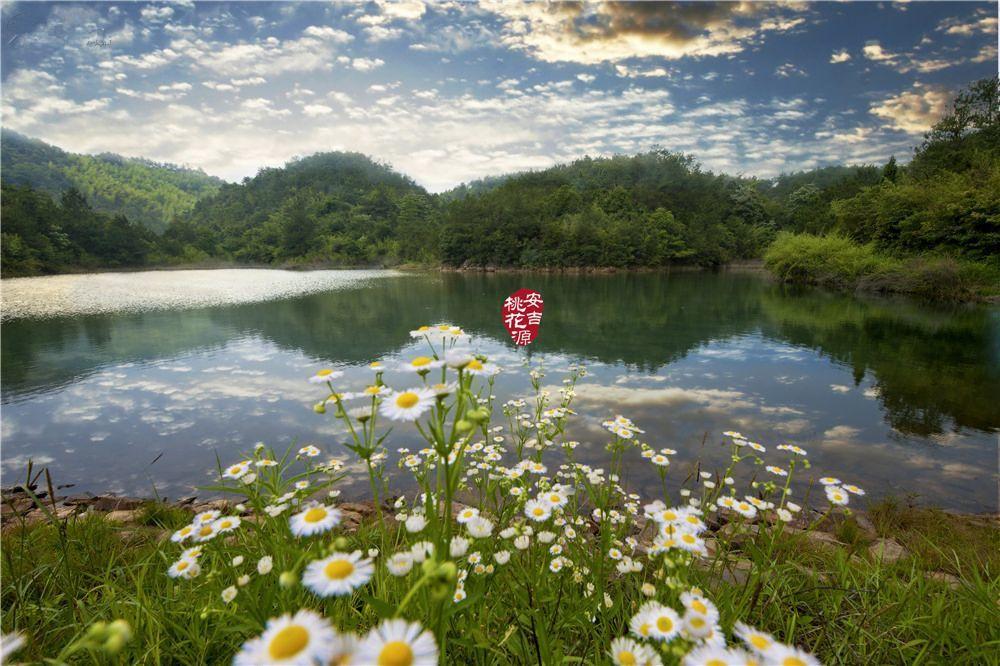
{"x":147,"y":192}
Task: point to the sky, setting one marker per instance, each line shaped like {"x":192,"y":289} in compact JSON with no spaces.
{"x":449,"y":92}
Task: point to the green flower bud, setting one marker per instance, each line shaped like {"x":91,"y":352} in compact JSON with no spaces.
{"x":319,"y":408}
{"x":288,"y":579}
{"x":448,"y":571}
{"x":463,"y":426}
{"x":340,"y":543}
{"x":478,"y":415}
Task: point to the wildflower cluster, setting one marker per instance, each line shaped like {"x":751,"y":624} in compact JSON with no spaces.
{"x":555,"y":555}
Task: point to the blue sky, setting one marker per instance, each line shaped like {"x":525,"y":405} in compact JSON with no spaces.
{"x":448,"y":92}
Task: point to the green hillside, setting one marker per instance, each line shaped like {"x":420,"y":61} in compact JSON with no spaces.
{"x":148,"y":193}
{"x":331,"y":207}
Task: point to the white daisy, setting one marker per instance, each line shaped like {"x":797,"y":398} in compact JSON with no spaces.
{"x":400,"y":564}
{"x":665,"y":623}
{"x":324,"y":376}
{"x":205,"y":533}
{"x":537,"y":510}
{"x":182,"y":534}
{"x":714,"y":655}
{"x":184,"y":568}
{"x":467,"y":514}
{"x":422,"y":364}
{"x":627,"y":652}
{"x":758,"y":641}
{"x":309,"y":450}
{"x":789,"y":655}
{"x":237,"y":470}
{"x":415,"y":523}
{"x":407,"y":405}
{"x":226,"y":524}
{"x":305,"y":638}
{"x":205,"y":517}
{"x":458,"y":546}
{"x":479,"y":527}
{"x":397,"y":643}
{"x":264,"y":565}
{"x":837,"y":495}
{"x":477,"y":367}
{"x":314,"y":520}
{"x":776,"y":470}
{"x":337,"y":575}
{"x":830,"y":481}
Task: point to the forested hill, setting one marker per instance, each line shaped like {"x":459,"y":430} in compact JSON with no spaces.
{"x":330,"y":207}
{"x":648,"y":210}
{"x":145,"y":192}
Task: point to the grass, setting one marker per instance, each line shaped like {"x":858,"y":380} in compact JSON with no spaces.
{"x":837,"y":262}
{"x":846,"y":610}
{"x":568,"y":568}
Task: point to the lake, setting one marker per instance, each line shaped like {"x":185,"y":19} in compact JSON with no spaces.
{"x":133,"y":381}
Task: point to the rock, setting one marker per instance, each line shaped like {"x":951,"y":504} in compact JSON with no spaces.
{"x":887,"y":550}
{"x":737,"y":572}
{"x":123,"y":516}
{"x":943,"y":577}
{"x":113,"y":503}
{"x":220,"y":505}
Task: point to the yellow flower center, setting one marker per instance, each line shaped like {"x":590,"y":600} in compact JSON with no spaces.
{"x":420,"y":361}
{"x":338,"y":569}
{"x":693,"y":520}
{"x":687,"y":538}
{"x":324,"y":373}
{"x":205,"y":531}
{"x":555,"y":499}
{"x":288,"y":642}
{"x":187,"y":530}
{"x":792,"y":661}
{"x":697,"y":622}
{"x":181,"y":566}
{"x":395,"y":653}
{"x":475,"y":364}
{"x":715,"y":662}
{"x":664,"y":623}
{"x":225,"y":524}
{"x":699,"y":606}
{"x":407,"y":400}
{"x":372,"y":390}
{"x":644,"y":629}
{"x":538,"y":511}
{"x":314,"y":515}
{"x":424,"y":328}
{"x":760,"y":642}
{"x":669,"y":515}
{"x":626,"y":658}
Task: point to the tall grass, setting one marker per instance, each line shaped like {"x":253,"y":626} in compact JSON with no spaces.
{"x":838,"y":262}
{"x":551,"y":562}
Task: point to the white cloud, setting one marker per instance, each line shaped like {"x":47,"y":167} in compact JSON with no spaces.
{"x":156,"y":13}
{"x":913,"y":111}
{"x":840,"y":56}
{"x":986,"y":25}
{"x":366,"y":64}
{"x":601,"y":32}
{"x":316,"y":110}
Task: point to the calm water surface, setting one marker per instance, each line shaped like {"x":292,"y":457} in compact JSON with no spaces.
{"x":127,"y":382}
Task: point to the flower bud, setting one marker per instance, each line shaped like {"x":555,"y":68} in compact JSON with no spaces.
{"x":340,"y":543}
{"x":319,"y":408}
{"x":288,"y":579}
{"x":463,"y":426}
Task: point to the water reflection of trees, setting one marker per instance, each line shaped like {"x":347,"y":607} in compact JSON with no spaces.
{"x":933,"y":368}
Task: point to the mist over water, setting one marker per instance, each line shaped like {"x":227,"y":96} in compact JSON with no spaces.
{"x":894,"y":396}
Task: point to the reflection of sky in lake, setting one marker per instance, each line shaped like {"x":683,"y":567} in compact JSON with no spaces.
{"x":103,"y":429}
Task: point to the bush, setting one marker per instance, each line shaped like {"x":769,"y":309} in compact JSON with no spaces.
{"x":836,"y":261}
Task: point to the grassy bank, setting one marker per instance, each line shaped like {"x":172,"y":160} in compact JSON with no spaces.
{"x":548,"y":561}
{"x":837,"y":262}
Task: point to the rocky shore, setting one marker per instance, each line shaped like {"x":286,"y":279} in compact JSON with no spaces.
{"x":853,"y":532}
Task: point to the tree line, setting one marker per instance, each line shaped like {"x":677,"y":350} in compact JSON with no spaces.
{"x":649,"y":210}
